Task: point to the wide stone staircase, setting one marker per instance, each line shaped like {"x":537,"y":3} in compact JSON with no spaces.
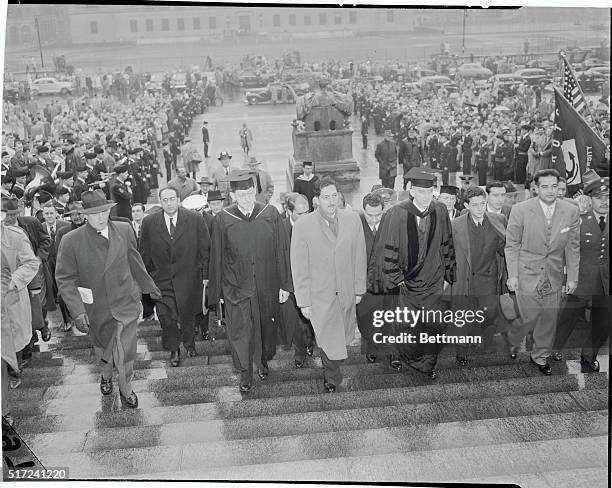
{"x":495,"y":420}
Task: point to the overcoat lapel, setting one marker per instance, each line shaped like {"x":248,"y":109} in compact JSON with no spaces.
{"x":326,"y":229}
{"x":161,"y":229}
{"x":115,"y":245}
{"x":181,"y":225}
{"x":463,"y":239}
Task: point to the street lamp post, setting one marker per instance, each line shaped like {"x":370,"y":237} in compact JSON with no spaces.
{"x":42,"y":62}
{"x":463,"y":35}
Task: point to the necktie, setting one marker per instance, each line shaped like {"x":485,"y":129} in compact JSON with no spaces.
{"x":374,"y":229}
{"x":171,"y":228}
{"x":602,"y":222}
{"x":334,"y":227}
{"x":52,"y":233}
{"x":548,"y":213}
{"x":226,"y":171}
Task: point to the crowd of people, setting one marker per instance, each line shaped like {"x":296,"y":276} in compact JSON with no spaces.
{"x":313,"y":273}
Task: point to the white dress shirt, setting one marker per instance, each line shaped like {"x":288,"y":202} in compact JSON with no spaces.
{"x":546,"y":208}
{"x":104,"y":232}
{"x":174,"y":220}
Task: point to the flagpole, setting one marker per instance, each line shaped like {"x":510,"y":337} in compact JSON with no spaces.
{"x":586,"y":101}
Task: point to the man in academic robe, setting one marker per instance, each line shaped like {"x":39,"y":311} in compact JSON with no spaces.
{"x":100,"y":276}
{"x":329,"y":265}
{"x":305,"y":184}
{"x":175,"y":244}
{"x":373,"y":209}
{"x":593,"y":279}
{"x":479,"y":238}
{"x":295,"y":329}
{"x":249,"y":269}
{"x":413,"y":258}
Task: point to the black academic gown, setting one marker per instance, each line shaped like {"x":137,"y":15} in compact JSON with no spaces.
{"x":249,"y":265}
{"x":414,"y":265}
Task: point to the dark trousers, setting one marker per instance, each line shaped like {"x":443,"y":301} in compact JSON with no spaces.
{"x":331,"y":367}
{"x":148,"y":306}
{"x":499,"y":172}
{"x":521,"y":169}
{"x":295,"y":329}
{"x":364,"y":139}
{"x":168,"y":170}
{"x":173,"y":333}
{"x":482,"y":173}
{"x":388,"y":182}
{"x":572,"y":309}
{"x":205,"y":149}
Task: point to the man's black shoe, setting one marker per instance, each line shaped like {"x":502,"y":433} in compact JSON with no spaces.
{"x":557,"y":356}
{"x":205,"y":336}
{"x":587,"y":365}
{"x":45,"y":333}
{"x":395,"y":363}
{"x":191,"y":351}
{"x":245,"y":388}
{"x":329,"y":387}
{"x":106,"y":386}
{"x":309,"y":350}
{"x":299,"y":363}
{"x":175,"y":358}
{"x":262,"y":375}
{"x":461,"y":360}
{"x":371,"y":358}
{"x":130,"y":402}
{"x":544,"y":368}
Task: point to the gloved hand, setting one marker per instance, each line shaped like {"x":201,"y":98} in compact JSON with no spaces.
{"x":82,"y":323}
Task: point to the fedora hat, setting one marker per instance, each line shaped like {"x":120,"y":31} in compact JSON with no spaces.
{"x":94,"y":201}
{"x":253,"y":161}
{"x":10,"y":206}
{"x":509,"y":306}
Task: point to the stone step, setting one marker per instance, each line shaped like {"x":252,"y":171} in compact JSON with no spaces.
{"x":74,"y":373}
{"x":427,"y":455}
{"x":510,"y":460}
{"x":566,"y":478}
{"x":204,"y":388}
{"x":261,"y":407}
{"x":352,"y":424}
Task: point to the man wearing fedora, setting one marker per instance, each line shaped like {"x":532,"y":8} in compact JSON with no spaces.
{"x":593,"y":278}
{"x":220,"y":177}
{"x":205,"y":183}
{"x":262,"y":180}
{"x":386,"y":155}
{"x":100,"y":276}
{"x":542,"y":240}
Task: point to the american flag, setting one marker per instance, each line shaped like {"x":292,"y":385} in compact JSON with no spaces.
{"x":572,"y":90}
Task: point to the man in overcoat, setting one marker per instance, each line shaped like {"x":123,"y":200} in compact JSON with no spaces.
{"x":329,"y":268}
{"x":100,"y":276}
{"x":174,"y":245}
{"x":386,"y":155}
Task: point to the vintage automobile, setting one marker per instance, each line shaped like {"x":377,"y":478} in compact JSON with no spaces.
{"x":10,"y":91}
{"x":254,"y":79}
{"x":473,"y":71}
{"x":264,"y":95}
{"x":155,"y":82}
{"x":533,"y":76}
{"x":437,"y":82}
{"x":50,"y":86}
{"x":602,"y":70}
{"x":591,"y":81}
{"x":508,"y":83}
{"x":178,"y":81}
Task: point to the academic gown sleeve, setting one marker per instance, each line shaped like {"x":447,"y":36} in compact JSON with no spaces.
{"x":282,"y":240}
{"x":215,"y":268}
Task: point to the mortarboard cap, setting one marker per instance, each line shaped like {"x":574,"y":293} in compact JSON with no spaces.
{"x":420,"y":178}
{"x":241,"y":180}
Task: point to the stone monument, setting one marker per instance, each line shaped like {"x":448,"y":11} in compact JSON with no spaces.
{"x":322,"y":134}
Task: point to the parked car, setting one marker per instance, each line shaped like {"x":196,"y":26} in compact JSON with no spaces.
{"x":533,"y":76}
{"x":437,"y":82}
{"x":264,"y":95}
{"x":10,"y":92}
{"x":473,"y":71}
{"x":50,"y":86}
{"x":155,"y":82}
{"x":594,"y":63}
{"x":590,"y":81}
{"x":254,"y":79}
{"x":602,"y":70}
{"x":178,"y":81}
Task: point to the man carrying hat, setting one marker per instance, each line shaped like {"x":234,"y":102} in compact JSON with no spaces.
{"x":412,"y":258}
{"x":250,"y":270}
{"x":100,"y":276}
{"x":593,"y":279}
